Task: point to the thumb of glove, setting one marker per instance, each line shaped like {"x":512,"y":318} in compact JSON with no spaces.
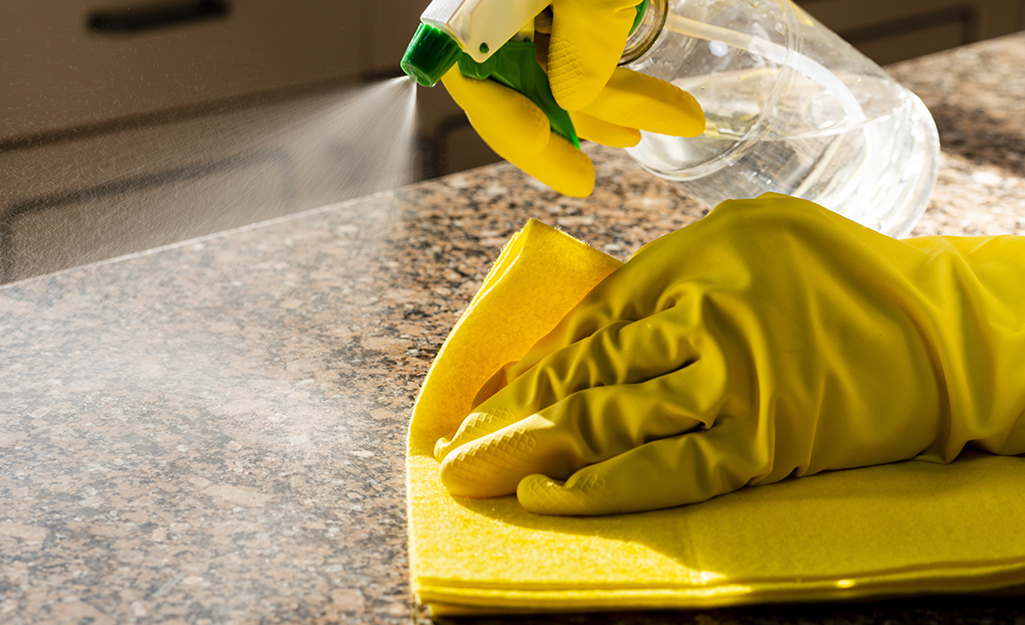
{"x":588,"y":37}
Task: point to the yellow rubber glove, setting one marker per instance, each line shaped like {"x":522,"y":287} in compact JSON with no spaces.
{"x":772,"y":338}
{"x":608,"y":104}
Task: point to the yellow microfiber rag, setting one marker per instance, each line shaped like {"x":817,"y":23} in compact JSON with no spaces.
{"x":912,"y":527}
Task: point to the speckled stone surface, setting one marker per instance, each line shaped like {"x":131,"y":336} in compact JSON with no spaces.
{"x":214,"y":432}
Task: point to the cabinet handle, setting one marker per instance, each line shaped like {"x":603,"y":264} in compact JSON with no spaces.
{"x":147,"y":17}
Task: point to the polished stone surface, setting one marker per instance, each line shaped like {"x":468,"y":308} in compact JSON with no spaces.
{"x":213,"y":432}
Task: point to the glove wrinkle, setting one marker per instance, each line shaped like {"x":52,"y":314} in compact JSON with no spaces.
{"x":499,"y":380}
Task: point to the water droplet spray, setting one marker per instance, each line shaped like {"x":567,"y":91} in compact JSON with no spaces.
{"x":136,"y":185}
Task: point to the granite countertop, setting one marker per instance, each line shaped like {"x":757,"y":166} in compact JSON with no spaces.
{"x":213,"y":432}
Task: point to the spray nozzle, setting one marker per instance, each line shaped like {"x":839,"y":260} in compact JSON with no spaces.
{"x":430,"y":54}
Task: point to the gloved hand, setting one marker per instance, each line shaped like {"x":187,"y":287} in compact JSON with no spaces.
{"x":608,"y":105}
{"x":772,"y":338}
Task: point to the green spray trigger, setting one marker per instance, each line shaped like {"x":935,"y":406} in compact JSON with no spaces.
{"x":515,"y":66}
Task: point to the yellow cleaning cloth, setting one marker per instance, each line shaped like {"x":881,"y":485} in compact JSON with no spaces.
{"x":913,"y":527}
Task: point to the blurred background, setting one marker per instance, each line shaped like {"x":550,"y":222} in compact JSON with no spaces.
{"x":129,"y":124}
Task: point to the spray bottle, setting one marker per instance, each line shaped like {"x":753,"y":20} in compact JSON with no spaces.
{"x":488,"y":39}
{"x":790,"y":106}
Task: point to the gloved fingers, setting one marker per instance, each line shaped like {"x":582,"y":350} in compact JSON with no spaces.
{"x":492,"y":465}
{"x":638,"y":101}
{"x":669,"y":472}
{"x":673,"y":310}
{"x":519,"y":131}
{"x":623,"y":352}
{"x":632,"y":102}
{"x":506,"y":119}
{"x":479,"y":424}
{"x":584,"y":428}
{"x":587,"y":41}
{"x":582,"y":323}
{"x":600,"y":131}
{"x":560,"y":165}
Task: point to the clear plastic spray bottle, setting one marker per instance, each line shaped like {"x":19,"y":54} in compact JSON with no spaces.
{"x":790,"y":106}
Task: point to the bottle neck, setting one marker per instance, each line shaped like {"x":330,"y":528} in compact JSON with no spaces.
{"x":646,"y":32}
